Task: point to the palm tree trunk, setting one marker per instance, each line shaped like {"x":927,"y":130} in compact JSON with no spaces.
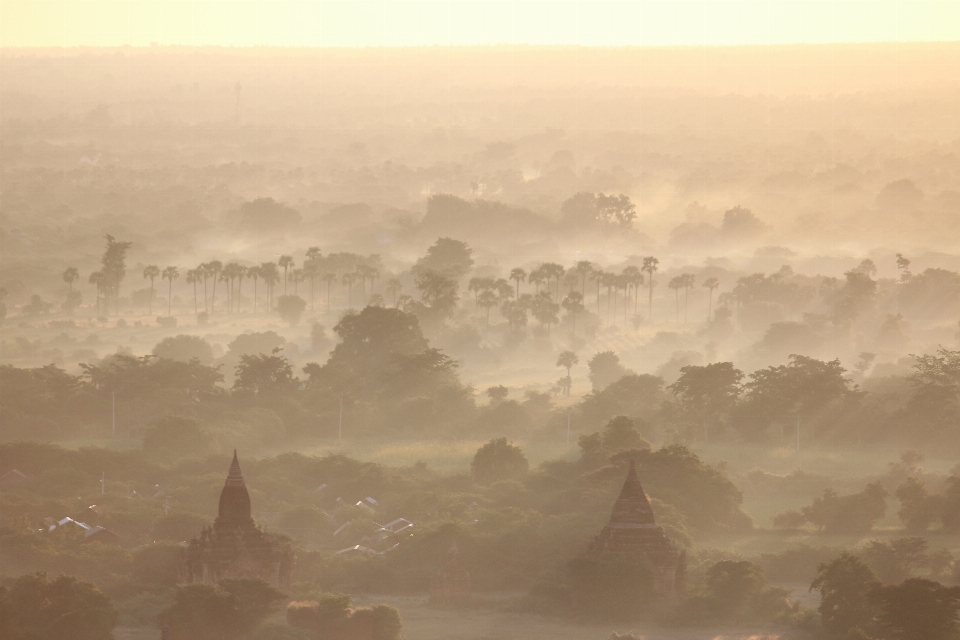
{"x":650,"y":301}
{"x":213,"y":299}
{"x":254,"y":295}
{"x":169,"y":296}
{"x":196,"y":309}
{"x":686,"y":299}
{"x":206,"y":306}
{"x":677,"y":291}
{"x":150,"y":307}
{"x":710,"y":307}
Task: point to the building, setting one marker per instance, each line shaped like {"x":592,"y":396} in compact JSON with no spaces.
{"x":633,"y":531}
{"x":235,"y":547}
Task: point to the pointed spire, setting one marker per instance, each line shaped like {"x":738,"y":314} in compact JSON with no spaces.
{"x":632,"y":507}
{"x":235,"y":467}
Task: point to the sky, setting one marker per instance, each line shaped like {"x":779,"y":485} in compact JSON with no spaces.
{"x":344,"y":23}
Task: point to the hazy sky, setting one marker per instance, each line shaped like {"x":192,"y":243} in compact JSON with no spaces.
{"x":466,"y":22}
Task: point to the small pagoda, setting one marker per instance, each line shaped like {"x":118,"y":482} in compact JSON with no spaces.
{"x":632,"y":531}
{"x":235,"y":547}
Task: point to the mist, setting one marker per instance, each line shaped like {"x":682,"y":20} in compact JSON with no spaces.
{"x":454,"y":306}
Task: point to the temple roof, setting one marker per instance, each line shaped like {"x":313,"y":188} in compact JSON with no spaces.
{"x":632,"y":507}
{"x":234,"y":499}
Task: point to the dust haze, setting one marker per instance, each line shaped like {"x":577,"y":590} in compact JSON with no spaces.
{"x":467,"y":315}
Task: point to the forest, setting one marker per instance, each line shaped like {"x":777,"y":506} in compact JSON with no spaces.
{"x":439,"y":315}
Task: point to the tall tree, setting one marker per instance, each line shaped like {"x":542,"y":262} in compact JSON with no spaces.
{"x":711,"y":284}
{"x":193,"y":277}
{"x":215,"y":267}
{"x":348,"y":279}
{"x":918,"y":609}
{"x":518,"y":275}
{"x":584,"y":268}
{"x":170,"y":274}
{"x":537,"y":277}
{"x":568,"y":359}
{"x":676,"y":283}
{"x":845,"y":585}
{"x":554,"y":271}
{"x":545,"y":310}
{"x":708,"y":393}
{"x":329,"y":277}
{"x":488,"y":299}
{"x":650,"y":267}
{"x":96,"y":278}
{"x":114,"y":268}
{"x":271,"y":276}
{"x":254,"y":274}
{"x":285,"y":262}
{"x":573,"y":303}
{"x":634,"y":277}
{"x":71,"y":275}
{"x":688,"y":280}
{"x":151,"y":272}
{"x":394,"y":287}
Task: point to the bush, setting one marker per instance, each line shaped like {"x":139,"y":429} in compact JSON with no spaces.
{"x":184,"y":348}
{"x":498,"y":460}
{"x":35,"y":608}
{"x":854,"y":513}
{"x":332,"y":619}
{"x":167,"y":322}
{"x":221,"y":612}
{"x":290,"y":308}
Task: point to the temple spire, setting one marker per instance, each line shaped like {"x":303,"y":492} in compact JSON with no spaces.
{"x":234,"y":499}
{"x":632,"y":507}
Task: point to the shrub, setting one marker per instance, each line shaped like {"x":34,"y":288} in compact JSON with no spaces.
{"x":332,"y":619}
{"x":174,"y":437}
{"x":184,"y":348}
{"x":35,"y":608}
{"x":498,"y":460}
{"x":290,"y":308}
{"x":854,"y":513}
{"x":222,"y":612}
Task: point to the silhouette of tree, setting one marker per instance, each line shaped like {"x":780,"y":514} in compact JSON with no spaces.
{"x":687,"y":281}
{"x":708,"y":392}
{"x":545,"y":310}
{"x":394,"y":287}
{"x":634,"y":278}
{"x":676,"y":283}
{"x":170,"y":274}
{"x":448,"y":257}
{"x":253,"y":273}
{"x":573,"y":303}
{"x":114,"y":267}
{"x":487,"y":299}
{"x":918,"y":609}
{"x":348,"y":279}
{"x":329,"y":278}
{"x":498,"y":460}
{"x":193,"y":277}
{"x":71,"y":275}
{"x":151,"y":272}
{"x":214,"y":267}
{"x":96,"y":278}
{"x":584,"y":268}
{"x":650,"y":267}
{"x":568,"y":359}
{"x":845,"y":587}
{"x":271,"y":276}
{"x":285,"y":262}
{"x":518,"y":275}
{"x":711,"y":284}
{"x":537,"y":277}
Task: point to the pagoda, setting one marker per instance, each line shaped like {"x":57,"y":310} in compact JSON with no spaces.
{"x":632,"y":531}
{"x":235,"y":547}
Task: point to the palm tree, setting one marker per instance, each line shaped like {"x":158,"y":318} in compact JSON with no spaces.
{"x":286,"y":262}
{"x":488,"y":299}
{"x":536,"y":278}
{"x":568,"y":359}
{"x":348,"y":279}
{"x":518,"y":275}
{"x":329,"y":277}
{"x":553,"y":270}
{"x":394,"y":287}
{"x":676,"y":283}
{"x":609,"y":281}
{"x":296,"y":276}
{"x":215,"y":267}
{"x":97,"y":278}
{"x":635,"y":279}
{"x":254,"y":272}
{"x":231,"y":272}
{"x":225,"y":278}
{"x":688,"y":280}
{"x":170,"y":274}
{"x":271,"y":276}
{"x":711,"y":284}
{"x":623,"y":282}
{"x":152,"y":272}
{"x":203,"y":271}
{"x":584,"y":268}
{"x":311,"y":270}
{"x":193,"y":276}
{"x":476,"y":285}
{"x":598,"y":277}
{"x":650,"y":267}
{"x":241,"y":274}
{"x":573,"y":303}
{"x":71,"y":275}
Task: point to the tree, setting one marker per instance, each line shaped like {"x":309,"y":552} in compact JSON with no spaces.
{"x":394,"y":287}
{"x":845,"y":587}
{"x":634,"y":278}
{"x":437,"y":291}
{"x":486,"y":300}
{"x":286,"y":262}
{"x":687,"y":281}
{"x":620,"y":434}
{"x":290,"y":308}
{"x":151,"y":272}
{"x":271,"y":276}
{"x":254,"y":274}
{"x":497,"y":394}
{"x":852,"y":513}
{"x":97,"y":279}
{"x":918,"y":507}
{"x":584,"y":268}
{"x":616,"y":210}
{"x":184,"y":348}
{"x":711,"y":284}
{"x":708,"y":392}
{"x":545,"y":310}
{"x":225,"y":611}
{"x":498,"y":460}
{"x":193,"y":277}
{"x":537,"y":277}
{"x":918,"y":609}
{"x":262,"y":374}
{"x":114,"y":267}
{"x":518,"y":275}
{"x":329,"y":278}
{"x":71,"y":275}
{"x":605,"y":369}
{"x":676,"y":283}
{"x":231,"y":271}
{"x":170,"y":274}
{"x":573,"y":303}
{"x":650,"y":267}
{"x":35,"y":607}
{"x":904,"y":266}
{"x":448,"y":257}
{"x":213,"y":268}
{"x":733,"y":584}
{"x":555,"y":271}
{"x":568,"y":359}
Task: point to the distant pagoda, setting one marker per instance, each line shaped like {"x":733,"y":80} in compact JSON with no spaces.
{"x":633,"y":531}
{"x":235,"y":547}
